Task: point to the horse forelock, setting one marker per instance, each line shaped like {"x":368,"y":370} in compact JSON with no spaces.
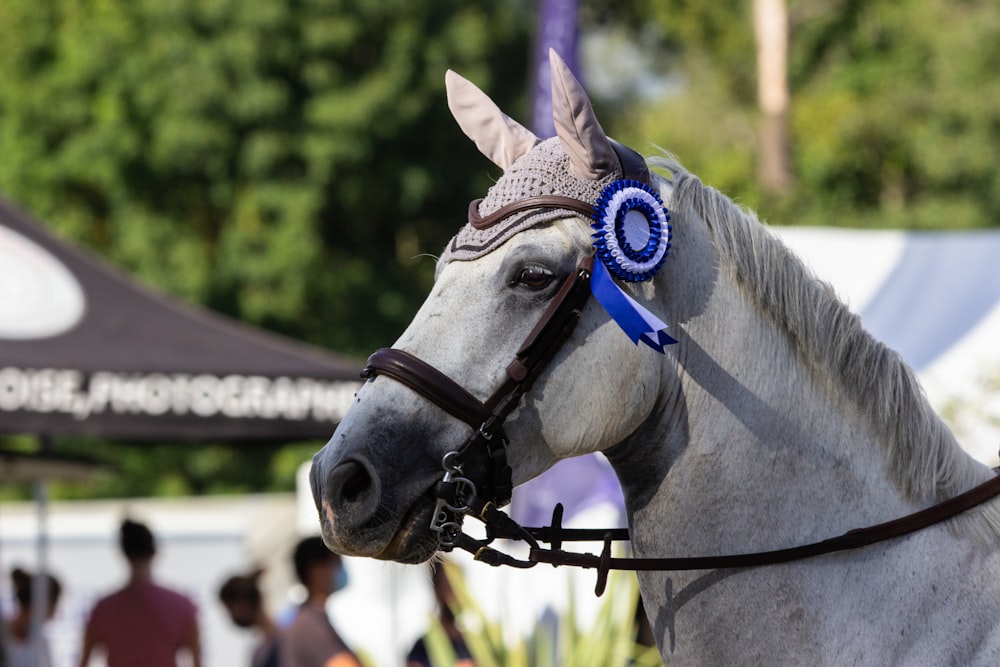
{"x":923,"y":454}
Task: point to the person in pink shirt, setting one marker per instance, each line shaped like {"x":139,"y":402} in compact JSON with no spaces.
{"x":143,"y":623}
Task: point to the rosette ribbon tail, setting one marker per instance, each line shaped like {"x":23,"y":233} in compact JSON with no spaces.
{"x":637,"y":322}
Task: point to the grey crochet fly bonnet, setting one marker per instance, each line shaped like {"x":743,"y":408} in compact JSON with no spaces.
{"x":542,"y":171}
{"x":578,"y":163}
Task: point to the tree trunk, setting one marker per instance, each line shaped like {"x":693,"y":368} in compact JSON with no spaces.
{"x":770,"y":20}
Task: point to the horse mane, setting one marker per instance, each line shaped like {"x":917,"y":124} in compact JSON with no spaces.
{"x":923,"y":454}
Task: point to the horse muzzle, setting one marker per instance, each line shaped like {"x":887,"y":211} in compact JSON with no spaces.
{"x":358,"y":518}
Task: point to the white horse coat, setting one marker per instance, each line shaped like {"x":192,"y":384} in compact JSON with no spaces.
{"x":775,"y":421}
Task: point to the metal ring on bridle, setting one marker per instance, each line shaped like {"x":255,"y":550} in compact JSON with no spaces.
{"x":449,"y":531}
{"x":446,"y":462}
{"x":464,"y":489}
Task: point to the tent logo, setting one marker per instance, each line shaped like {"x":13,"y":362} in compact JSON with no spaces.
{"x":39,"y":297}
{"x":70,"y":392}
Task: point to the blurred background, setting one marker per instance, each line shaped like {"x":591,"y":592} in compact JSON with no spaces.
{"x":292,"y":164}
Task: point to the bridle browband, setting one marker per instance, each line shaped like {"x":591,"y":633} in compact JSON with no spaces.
{"x":534,"y":204}
{"x":477,"y":478}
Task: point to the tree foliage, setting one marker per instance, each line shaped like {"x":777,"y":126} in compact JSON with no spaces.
{"x":897,"y":118}
{"x":282,"y":161}
{"x":894,"y":117}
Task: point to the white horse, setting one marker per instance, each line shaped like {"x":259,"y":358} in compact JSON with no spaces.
{"x":776,"y":420}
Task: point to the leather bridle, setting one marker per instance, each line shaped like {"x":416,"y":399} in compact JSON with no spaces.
{"x":477,"y":478}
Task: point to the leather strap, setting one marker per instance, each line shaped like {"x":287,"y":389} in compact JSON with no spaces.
{"x":633,"y":165}
{"x":552,"y":330}
{"x":853,"y":539}
{"x":427,"y":381}
{"x":533,"y":204}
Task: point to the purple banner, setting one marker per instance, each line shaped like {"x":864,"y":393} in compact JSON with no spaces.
{"x":557,"y":30}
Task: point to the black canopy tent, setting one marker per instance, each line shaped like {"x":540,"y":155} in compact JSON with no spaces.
{"x":85,"y":350}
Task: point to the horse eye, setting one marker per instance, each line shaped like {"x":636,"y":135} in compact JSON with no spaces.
{"x":534,"y":278}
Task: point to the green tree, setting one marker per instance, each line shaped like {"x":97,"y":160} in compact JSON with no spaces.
{"x":283,"y":162}
{"x":895,"y":115}
{"x":892,"y":113}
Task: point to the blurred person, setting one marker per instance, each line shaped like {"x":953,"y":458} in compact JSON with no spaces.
{"x":21,"y":651}
{"x":240,"y":594}
{"x":444,"y":595}
{"x":311,"y":640}
{"x":143,"y":623}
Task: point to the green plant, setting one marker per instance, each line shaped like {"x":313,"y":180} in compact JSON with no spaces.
{"x":974,"y":415}
{"x":609,"y":641}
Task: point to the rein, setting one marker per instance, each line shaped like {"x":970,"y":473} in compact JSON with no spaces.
{"x":853,"y":539}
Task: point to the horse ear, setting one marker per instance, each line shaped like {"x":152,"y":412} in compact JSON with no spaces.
{"x":590,"y":153}
{"x":497,"y":136}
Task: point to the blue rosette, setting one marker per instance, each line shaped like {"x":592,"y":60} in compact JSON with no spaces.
{"x":631,"y":235}
{"x":631,"y":242}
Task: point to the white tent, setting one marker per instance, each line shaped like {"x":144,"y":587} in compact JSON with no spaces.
{"x":934,"y":297}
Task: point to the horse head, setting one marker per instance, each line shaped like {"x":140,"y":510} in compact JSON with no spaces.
{"x":374,"y":482}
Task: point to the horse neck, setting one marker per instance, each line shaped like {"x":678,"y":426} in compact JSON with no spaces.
{"x":754,"y":442}
{"x":758,"y":453}
{"x":763,"y":451}
{"x":757,"y":443}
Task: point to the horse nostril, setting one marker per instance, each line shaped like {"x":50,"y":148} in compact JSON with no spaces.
{"x":353,"y":491}
{"x":355,"y":484}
